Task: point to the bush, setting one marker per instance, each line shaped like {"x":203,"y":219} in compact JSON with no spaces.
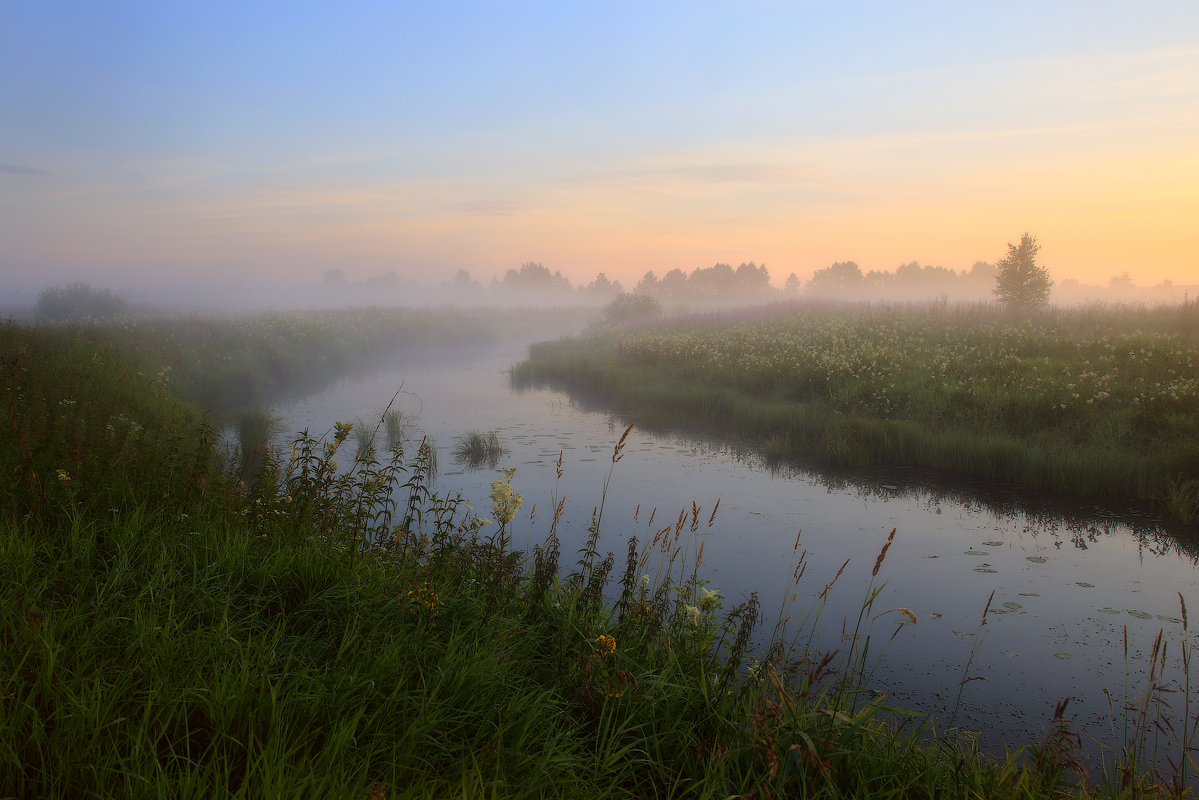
{"x":77,"y":301}
{"x":631,"y":308}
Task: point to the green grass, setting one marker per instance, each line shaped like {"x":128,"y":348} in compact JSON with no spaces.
{"x":1094,"y":402}
{"x":342,"y":631}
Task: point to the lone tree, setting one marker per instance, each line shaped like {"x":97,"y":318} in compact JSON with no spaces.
{"x":1019,"y":282}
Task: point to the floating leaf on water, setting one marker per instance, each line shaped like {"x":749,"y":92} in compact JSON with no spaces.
{"x":1029,"y":594}
{"x":985,"y":569}
{"x":850,"y":637}
{"x":1009,"y":654}
{"x":992,"y":544}
{"x":968,"y":736}
{"x":998,"y":611}
{"x":1084,"y":584}
{"x":888,"y":487}
{"x":975,"y":553}
{"x":905,"y":621}
{"x":1012,"y":606}
{"x":935,"y":615}
{"x":1036,"y":559}
{"x":586,"y":459}
{"x":1063,"y":655}
{"x":1139,"y":614}
{"x":1164,"y":618}
{"x":930,"y":556}
{"x":457,"y":472}
{"x":1106,"y":610}
{"x":963,"y":634}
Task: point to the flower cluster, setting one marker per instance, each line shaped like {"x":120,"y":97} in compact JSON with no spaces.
{"x":504,"y":501}
{"x":424,"y":599}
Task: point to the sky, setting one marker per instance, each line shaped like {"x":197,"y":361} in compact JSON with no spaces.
{"x":242,"y":143}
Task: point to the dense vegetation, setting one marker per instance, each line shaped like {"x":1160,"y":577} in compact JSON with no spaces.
{"x":224,"y":363}
{"x":1095,"y":402}
{"x":172,"y":624}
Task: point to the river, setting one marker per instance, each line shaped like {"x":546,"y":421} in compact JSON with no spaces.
{"x":1069,"y":579}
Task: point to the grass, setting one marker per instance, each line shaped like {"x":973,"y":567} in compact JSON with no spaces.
{"x":477,"y":449}
{"x":1094,"y":402}
{"x":343,"y":631}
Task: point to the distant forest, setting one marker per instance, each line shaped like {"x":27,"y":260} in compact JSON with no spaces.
{"x":723,"y":284}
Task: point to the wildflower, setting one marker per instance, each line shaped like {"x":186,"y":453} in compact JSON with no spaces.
{"x":63,"y":476}
{"x":692,"y":614}
{"x":505,"y":502}
{"x":645,"y":581}
{"x":607,"y":644}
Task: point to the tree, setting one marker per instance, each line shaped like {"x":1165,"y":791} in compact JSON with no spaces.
{"x":839,"y":279}
{"x":1019,"y":282}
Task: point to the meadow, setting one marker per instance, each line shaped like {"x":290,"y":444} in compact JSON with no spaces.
{"x":1092,"y":401}
{"x":176,"y":623}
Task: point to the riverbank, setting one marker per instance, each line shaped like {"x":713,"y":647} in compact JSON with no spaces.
{"x":170,"y":628}
{"x":1093,"y":402}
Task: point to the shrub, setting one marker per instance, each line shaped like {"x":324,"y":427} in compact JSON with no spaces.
{"x":77,"y":301}
{"x":631,"y":308}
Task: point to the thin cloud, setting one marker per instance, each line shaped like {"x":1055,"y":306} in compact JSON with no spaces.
{"x":20,"y":171}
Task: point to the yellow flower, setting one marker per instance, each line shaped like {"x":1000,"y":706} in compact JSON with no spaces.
{"x":607,"y":644}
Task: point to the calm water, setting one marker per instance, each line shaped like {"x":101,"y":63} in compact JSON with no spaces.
{"x":1068,"y":578}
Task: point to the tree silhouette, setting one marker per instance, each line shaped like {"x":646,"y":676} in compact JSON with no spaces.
{"x":1019,"y":282}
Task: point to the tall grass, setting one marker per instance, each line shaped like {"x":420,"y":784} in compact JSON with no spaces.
{"x":1080,"y":402}
{"x":478,"y":449}
{"x":344,"y":631}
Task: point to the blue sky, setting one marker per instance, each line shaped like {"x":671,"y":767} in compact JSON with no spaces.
{"x":195,"y":142}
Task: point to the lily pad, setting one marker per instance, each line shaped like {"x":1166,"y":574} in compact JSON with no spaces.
{"x":992,"y":544}
{"x":1063,"y":655}
{"x":1139,"y":614}
{"x":975,"y":553}
{"x":1084,"y":584}
{"x":998,"y":611}
{"x":1029,"y":594}
{"x":935,"y":615}
{"x":1164,"y":618}
{"x":930,"y":556}
{"x":985,"y":569}
{"x":1012,"y":606}
{"x":963,"y":634}
{"x":1036,"y":559}
{"x":1009,"y":654}
{"x":1106,"y":610}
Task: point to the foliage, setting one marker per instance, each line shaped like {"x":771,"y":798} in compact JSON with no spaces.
{"x":78,"y":301}
{"x":1019,"y":282}
{"x":1092,"y":401}
{"x":626,"y":308}
{"x":344,"y":631}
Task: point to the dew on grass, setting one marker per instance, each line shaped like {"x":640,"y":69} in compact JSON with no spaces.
{"x":1036,"y":559}
{"x":1139,"y":614}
